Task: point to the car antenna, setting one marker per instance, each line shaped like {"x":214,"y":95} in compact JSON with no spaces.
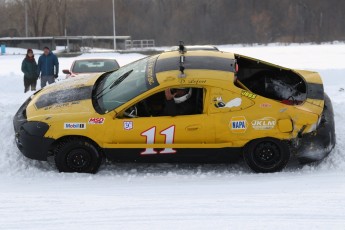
{"x":182,"y":50}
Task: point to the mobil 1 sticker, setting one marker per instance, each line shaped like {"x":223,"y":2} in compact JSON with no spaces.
{"x":74,"y":126}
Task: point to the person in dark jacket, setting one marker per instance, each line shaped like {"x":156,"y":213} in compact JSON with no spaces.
{"x":29,"y":68}
{"x":177,"y":102}
{"x":48,"y":67}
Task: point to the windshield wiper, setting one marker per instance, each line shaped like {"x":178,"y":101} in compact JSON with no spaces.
{"x":115,"y":83}
{"x":120,"y":79}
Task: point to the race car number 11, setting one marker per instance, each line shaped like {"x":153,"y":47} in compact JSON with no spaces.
{"x":150,"y":135}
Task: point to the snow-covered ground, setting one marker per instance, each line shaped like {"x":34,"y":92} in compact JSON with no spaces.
{"x":167,"y":196}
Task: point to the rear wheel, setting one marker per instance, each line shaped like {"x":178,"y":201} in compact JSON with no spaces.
{"x":266,"y":155}
{"x":77,"y":155}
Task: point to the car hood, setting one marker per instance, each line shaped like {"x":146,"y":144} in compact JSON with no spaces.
{"x":66,"y":97}
{"x":84,"y":75}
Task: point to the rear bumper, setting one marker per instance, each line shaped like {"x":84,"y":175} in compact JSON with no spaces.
{"x":317,"y":145}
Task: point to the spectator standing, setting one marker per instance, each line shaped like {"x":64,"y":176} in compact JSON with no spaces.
{"x":29,"y":68}
{"x":48,"y":67}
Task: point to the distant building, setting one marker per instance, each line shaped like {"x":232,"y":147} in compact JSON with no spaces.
{"x":73,"y":43}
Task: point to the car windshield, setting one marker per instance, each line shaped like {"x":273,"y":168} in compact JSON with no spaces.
{"x":124,"y":84}
{"x":94,"y":66}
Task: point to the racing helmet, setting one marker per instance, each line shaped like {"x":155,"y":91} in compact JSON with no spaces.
{"x":179,"y":98}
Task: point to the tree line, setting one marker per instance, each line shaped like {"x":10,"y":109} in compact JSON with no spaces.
{"x":168,"y":21}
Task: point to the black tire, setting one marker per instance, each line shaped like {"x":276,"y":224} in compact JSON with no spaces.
{"x":266,"y":155}
{"x":77,"y":155}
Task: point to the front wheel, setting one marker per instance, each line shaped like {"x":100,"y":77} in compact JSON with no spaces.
{"x":77,"y":155}
{"x":266,"y":155}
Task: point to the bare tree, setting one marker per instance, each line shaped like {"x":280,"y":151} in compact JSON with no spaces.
{"x":61,"y":15}
{"x":40,"y":12}
{"x":195,"y":21}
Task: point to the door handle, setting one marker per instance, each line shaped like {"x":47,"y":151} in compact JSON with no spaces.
{"x":193,"y":127}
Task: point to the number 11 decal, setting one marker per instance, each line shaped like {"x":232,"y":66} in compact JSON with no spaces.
{"x":169,"y":134}
{"x":150,"y":135}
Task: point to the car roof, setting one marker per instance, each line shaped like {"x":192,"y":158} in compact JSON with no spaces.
{"x":95,"y":59}
{"x":196,"y":59}
{"x":196,"y":47}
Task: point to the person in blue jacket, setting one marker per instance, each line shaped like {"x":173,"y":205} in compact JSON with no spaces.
{"x":48,"y":67}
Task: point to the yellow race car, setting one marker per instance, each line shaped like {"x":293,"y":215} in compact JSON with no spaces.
{"x":192,"y":104}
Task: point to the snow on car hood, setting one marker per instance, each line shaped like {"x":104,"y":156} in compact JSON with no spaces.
{"x":65,"y":97}
{"x":83,"y":75}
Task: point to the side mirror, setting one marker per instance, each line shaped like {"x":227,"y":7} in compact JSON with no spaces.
{"x":66,"y":71}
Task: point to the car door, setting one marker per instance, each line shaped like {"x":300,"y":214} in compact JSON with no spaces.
{"x":229,"y":110}
{"x":162,"y":134}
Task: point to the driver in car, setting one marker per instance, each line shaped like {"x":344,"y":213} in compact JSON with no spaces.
{"x":178,"y":102}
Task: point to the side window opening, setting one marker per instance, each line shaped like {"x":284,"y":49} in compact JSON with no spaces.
{"x":270,"y":81}
{"x":155,"y":105}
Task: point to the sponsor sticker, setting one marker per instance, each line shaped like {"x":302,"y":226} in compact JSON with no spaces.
{"x":265,"y":105}
{"x":238,"y":124}
{"x":96,"y":120}
{"x":151,"y":80}
{"x":192,"y":81}
{"x":265,"y":123}
{"x":248,"y":94}
{"x":128,"y":125}
{"x":219,"y":103}
{"x":63,"y":105}
{"x":74,"y":126}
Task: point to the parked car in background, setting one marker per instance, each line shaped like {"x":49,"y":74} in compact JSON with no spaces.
{"x":87,"y":66}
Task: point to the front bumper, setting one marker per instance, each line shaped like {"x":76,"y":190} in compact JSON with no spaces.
{"x":33,"y":147}
{"x":29,"y":135}
{"x":317,"y":145}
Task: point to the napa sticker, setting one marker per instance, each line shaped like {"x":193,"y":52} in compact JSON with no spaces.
{"x":74,"y":126}
{"x":238,"y":124}
{"x":265,"y":123}
{"x":96,"y":120}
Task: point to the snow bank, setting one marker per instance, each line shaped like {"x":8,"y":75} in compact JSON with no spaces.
{"x":33,"y":195}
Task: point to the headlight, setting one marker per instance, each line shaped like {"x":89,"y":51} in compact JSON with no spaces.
{"x":35,"y":128}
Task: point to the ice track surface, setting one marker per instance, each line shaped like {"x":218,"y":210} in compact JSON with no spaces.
{"x":33,"y":195}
